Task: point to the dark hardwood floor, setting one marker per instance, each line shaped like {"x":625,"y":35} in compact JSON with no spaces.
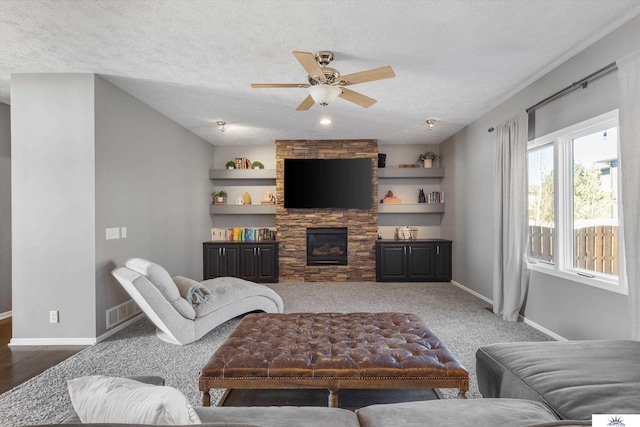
{"x":18,"y":364}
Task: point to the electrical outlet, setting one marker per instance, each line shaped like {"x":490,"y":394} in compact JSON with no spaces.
{"x":113,"y":233}
{"x":123,"y":232}
{"x":53,"y":316}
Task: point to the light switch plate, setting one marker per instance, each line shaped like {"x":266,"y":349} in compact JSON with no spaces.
{"x":113,"y":233}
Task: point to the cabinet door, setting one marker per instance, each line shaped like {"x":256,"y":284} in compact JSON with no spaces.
{"x":443,"y":262}
{"x":259,"y":263}
{"x":420,"y":260}
{"x":211,"y":260}
{"x":229,"y":264}
{"x":391,"y":262}
{"x":267,"y":263}
{"x":248,"y":262}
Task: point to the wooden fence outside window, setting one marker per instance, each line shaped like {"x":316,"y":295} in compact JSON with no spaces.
{"x":594,"y":248}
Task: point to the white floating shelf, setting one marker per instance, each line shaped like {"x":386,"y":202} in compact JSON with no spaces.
{"x":410,"y":172}
{"x":242,"y":209}
{"x":242,"y":174}
{"x":384,"y":208}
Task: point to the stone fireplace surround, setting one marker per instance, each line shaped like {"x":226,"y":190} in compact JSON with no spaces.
{"x":292,"y":224}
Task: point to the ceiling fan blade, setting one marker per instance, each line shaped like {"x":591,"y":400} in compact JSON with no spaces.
{"x":273,"y":85}
{"x":306,"y":104}
{"x":357,"y":98}
{"x":369,"y":75}
{"x":309,"y":63}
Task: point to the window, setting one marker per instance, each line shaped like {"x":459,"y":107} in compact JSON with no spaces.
{"x":574,"y":205}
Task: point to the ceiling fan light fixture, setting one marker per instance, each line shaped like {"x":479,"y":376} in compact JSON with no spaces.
{"x":221,"y":124}
{"x":324,"y":94}
{"x":431,"y":123}
{"x":325,"y":121}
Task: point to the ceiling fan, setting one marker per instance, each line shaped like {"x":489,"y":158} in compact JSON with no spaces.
{"x":326,"y":83}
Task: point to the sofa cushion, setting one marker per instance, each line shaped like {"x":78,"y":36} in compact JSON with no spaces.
{"x":101,"y":399}
{"x":456,"y":412}
{"x":164,"y":283}
{"x":280,"y":416}
{"x":576,"y":378}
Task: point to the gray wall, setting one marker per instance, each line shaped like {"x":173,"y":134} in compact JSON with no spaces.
{"x":5,"y":209}
{"x":152,"y":176}
{"x":52,"y":162}
{"x":569,"y":309}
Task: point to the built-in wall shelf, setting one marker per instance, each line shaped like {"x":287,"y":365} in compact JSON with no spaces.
{"x":392,"y":208}
{"x":242,"y":209}
{"x":410,"y":173}
{"x":244,"y":178}
{"x":233,"y":174}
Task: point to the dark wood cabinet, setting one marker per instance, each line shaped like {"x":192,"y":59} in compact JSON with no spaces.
{"x":253,"y":261}
{"x":413,"y":261}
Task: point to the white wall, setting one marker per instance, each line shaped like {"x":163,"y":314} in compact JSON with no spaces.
{"x":569,"y":309}
{"x":5,"y":210}
{"x":152,"y":177}
{"x":52,"y":167}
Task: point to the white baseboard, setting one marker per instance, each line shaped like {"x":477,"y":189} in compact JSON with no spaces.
{"x":524,"y":319}
{"x":474,"y":293}
{"x":543,"y":329}
{"x":5,"y":315}
{"x":120,"y":327}
{"x":51,"y":341}
{"x":72,"y":341}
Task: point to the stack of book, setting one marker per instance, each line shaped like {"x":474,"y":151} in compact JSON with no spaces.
{"x":241,"y":234}
{"x":435,"y":197}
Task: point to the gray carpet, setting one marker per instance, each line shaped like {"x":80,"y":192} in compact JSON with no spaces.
{"x":459,"y":319}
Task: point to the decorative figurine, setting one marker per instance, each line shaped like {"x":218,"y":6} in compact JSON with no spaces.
{"x":421,"y":197}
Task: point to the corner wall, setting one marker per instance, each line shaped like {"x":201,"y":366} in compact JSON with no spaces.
{"x":152,"y":177}
{"x":5,"y":210}
{"x":567,"y":308}
{"x":53,"y":194}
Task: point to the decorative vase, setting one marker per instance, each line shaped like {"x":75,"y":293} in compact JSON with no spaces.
{"x":428,"y":163}
{"x":247,"y":198}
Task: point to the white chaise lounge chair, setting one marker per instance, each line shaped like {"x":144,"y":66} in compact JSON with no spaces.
{"x":178,"y":320}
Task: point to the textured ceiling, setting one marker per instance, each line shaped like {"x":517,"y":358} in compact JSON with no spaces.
{"x":194,"y":60}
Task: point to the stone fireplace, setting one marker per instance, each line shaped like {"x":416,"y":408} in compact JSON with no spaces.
{"x":327,"y":246}
{"x":361,"y":224}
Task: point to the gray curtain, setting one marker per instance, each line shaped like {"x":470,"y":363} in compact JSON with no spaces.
{"x":629,"y":114}
{"x":510,"y":274}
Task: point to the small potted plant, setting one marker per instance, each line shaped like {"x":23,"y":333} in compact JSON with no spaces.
{"x":257,"y":165}
{"x":219,"y":197}
{"x":428,"y":158}
{"x":230,"y":164}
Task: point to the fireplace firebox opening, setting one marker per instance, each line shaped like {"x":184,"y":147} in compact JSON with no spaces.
{"x":327,"y":246}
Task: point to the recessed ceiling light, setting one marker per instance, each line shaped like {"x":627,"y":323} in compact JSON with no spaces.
{"x":325,"y":121}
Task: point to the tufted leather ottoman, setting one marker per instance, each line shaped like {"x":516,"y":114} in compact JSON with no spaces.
{"x":332,"y":351}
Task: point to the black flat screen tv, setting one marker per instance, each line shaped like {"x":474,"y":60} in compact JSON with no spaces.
{"x":327,"y":183}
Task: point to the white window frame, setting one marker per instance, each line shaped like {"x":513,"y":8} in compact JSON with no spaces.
{"x":563,"y":206}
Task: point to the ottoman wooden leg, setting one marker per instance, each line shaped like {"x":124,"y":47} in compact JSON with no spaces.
{"x":333,"y":398}
{"x":206,"y":398}
{"x":464,"y":387}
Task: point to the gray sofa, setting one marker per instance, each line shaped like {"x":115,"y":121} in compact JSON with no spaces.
{"x":447,"y":412}
{"x":574,"y":379}
{"x":523,"y":384}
